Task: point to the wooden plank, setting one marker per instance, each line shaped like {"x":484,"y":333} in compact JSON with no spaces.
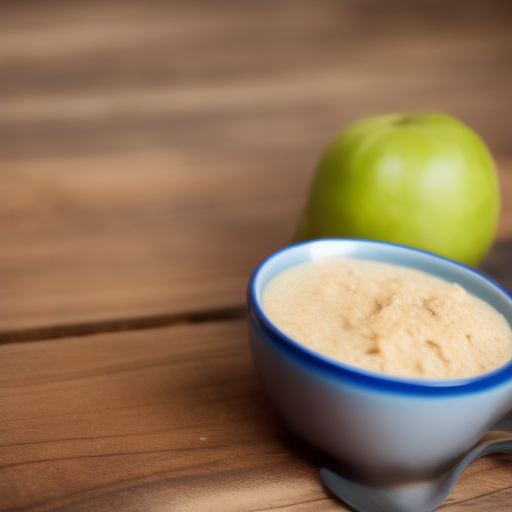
{"x":107,"y":241}
{"x":170,"y":419}
{"x":88,"y":246}
{"x":153,"y":153}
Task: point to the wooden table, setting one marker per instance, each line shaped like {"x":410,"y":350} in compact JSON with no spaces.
{"x":152,"y":153}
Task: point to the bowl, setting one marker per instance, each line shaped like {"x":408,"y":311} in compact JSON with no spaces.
{"x":372,"y":423}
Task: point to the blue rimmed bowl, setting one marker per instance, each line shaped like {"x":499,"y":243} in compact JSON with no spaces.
{"x":373,"y":423}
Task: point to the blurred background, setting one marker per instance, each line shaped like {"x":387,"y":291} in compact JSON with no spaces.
{"x":152,"y":153}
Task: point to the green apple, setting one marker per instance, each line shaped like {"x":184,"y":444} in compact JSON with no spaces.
{"x":425,"y":180}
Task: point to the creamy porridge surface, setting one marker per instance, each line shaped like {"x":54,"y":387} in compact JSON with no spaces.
{"x":388,"y":319}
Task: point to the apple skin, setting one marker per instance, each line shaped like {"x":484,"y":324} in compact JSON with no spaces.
{"x":425,"y":180}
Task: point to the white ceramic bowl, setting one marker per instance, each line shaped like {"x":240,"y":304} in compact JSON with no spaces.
{"x":370,"y":422}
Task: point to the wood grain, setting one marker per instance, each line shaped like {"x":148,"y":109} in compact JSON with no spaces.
{"x":164,"y":419}
{"x":153,"y":153}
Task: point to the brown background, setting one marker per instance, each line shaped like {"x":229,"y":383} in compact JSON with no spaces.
{"x":151,"y":154}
